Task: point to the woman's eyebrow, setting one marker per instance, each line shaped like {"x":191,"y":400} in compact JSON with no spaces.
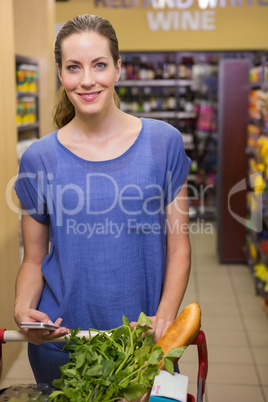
{"x":93,"y":61}
{"x":99,"y":58}
{"x":72,"y":61}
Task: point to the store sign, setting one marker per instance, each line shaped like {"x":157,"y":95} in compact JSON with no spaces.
{"x":180,"y":4}
{"x":168,"y":15}
{"x":181,"y":20}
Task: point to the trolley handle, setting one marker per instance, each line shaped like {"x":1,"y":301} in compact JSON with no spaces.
{"x":17,"y":336}
{"x":201,"y":343}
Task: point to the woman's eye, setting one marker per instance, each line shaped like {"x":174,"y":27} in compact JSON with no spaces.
{"x":100,"y":66}
{"x":73,"y":68}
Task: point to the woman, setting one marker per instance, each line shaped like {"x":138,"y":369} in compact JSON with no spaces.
{"x":107,"y":191}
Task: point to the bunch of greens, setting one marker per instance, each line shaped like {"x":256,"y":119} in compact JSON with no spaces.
{"x":120,"y":363}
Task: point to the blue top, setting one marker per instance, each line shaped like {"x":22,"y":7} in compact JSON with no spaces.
{"x":106,"y":224}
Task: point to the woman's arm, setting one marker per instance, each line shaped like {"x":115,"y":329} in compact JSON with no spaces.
{"x":30,"y":280}
{"x":178,"y":262}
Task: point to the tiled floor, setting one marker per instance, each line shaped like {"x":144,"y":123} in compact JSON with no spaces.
{"x":235,"y":325}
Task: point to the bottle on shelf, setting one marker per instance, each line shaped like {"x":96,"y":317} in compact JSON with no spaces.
{"x":159,"y":99}
{"x":172,"y":68}
{"x":265,"y":74}
{"x":122,"y":92}
{"x":150,"y":72}
{"x":159,"y":71}
{"x":182,"y":126}
{"x":129,"y":68}
{"x":153,"y":101}
{"x":140,"y":100}
{"x":165,"y":95}
{"x":143,"y":68}
{"x":182,"y":98}
{"x":182,"y":70}
{"x":166,"y":68}
{"x":134,"y":107}
{"x":185,"y":68}
{"x":146,"y":103}
{"x":189,"y":67}
{"x":189,"y":101}
{"x":136,"y":68}
{"x":171,"y":100}
{"x":123,"y":75}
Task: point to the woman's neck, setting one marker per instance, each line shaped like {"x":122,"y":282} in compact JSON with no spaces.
{"x":103,"y":125}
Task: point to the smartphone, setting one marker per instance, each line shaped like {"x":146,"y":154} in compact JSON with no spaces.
{"x":38,"y":325}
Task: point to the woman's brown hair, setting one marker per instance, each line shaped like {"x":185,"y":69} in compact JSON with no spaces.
{"x":64,"y":110}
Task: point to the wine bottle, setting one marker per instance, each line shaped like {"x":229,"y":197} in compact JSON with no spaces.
{"x":171,"y":99}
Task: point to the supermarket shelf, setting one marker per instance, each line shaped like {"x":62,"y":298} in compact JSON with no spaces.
{"x":203,"y":213}
{"x":185,"y":115}
{"x":257,"y":241}
{"x":165,"y":115}
{"x":19,"y":59}
{"x":185,"y":83}
{"x":26,"y":93}
{"x":189,"y":146}
{"x":192,"y":177}
{"x":255,"y":85}
{"x":25,"y":127}
{"x":206,"y":102}
{"x":156,"y":115}
{"x":205,"y":134}
{"x":259,"y":85}
{"x":153,"y":83}
{"x":150,"y":83}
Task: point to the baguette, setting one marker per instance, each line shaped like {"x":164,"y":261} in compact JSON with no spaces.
{"x":182,"y":332}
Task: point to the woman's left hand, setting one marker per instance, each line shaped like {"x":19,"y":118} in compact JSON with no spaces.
{"x":159,"y":326}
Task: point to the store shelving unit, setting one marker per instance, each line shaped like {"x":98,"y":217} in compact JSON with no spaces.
{"x":205,"y":89}
{"x":257,"y":152}
{"x":178,"y":88}
{"x":27,"y":97}
{"x":27,"y":116}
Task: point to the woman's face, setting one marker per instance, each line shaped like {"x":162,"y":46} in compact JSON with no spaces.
{"x":88,"y":72}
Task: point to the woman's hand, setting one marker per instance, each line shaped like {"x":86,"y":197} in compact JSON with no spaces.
{"x":159,"y":326}
{"x":30,"y":282}
{"x":38,"y":336}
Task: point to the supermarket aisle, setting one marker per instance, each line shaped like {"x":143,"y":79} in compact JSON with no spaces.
{"x":234,"y":323}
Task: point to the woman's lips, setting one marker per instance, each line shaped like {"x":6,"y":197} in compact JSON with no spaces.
{"x":89,"y":96}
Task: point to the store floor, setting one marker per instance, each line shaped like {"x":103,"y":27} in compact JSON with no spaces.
{"x":234,"y":323}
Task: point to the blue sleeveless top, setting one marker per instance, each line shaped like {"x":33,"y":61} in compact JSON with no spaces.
{"x":106,"y":224}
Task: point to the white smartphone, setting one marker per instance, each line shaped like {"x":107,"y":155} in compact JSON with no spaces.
{"x":38,"y":325}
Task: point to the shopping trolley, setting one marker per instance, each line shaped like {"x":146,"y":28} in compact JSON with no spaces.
{"x":200,"y":342}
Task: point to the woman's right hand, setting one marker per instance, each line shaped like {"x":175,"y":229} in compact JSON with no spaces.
{"x":30,"y":282}
{"x":38,"y":336}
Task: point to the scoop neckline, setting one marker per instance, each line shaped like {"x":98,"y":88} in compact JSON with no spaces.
{"x":133,"y":145}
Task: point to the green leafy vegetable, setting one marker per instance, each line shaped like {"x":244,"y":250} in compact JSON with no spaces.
{"x":171,"y":355}
{"x":121,"y":363}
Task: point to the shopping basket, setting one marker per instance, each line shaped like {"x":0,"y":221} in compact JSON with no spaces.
{"x":200,"y":342}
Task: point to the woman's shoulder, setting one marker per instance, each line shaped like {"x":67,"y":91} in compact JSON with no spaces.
{"x":160,"y":125}
{"x":161,"y":131}
{"x":40,"y":147}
